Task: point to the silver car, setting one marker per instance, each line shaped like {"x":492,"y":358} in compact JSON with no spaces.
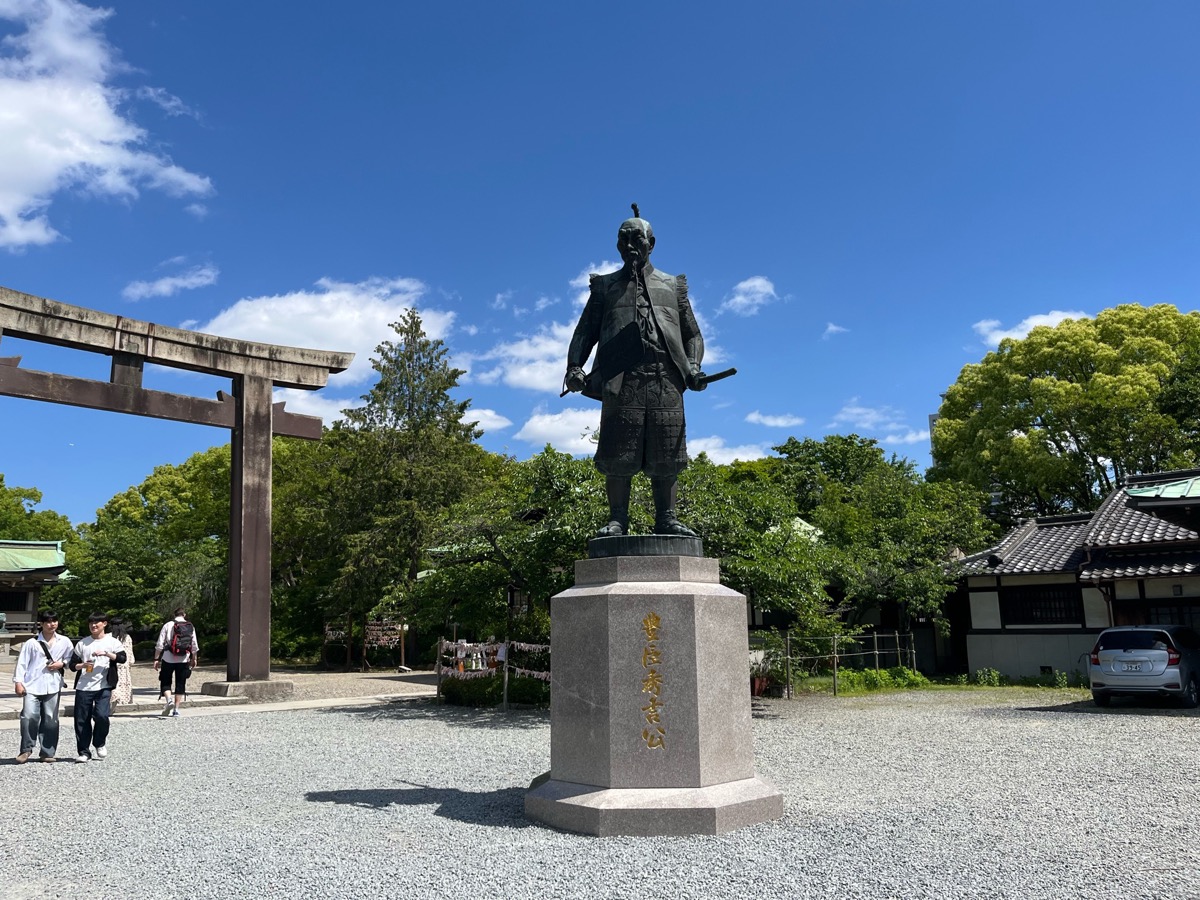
{"x":1161,"y":660}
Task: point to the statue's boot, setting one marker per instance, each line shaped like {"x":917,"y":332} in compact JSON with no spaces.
{"x":665,"y":521}
{"x":618,"y":488}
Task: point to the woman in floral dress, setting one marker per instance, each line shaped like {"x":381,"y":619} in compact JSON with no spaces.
{"x":122,"y":694}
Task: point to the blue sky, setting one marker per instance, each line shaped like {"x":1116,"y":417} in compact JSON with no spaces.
{"x":865,"y":196}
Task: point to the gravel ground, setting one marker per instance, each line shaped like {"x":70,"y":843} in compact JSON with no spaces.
{"x":957,"y":793}
{"x":310,"y":684}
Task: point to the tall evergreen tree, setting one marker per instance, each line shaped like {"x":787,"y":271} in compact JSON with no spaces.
{"x":406,"y":456}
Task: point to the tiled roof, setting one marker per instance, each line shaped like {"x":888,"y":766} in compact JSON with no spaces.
{"x":1117,"y":524}
{"x":1048,"y":544}
{"x":1140,"y":565}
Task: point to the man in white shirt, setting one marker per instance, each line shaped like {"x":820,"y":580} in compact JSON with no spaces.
{"x":175,"y":659}
{"x":94,"y":664}
{"x":38,"y":680}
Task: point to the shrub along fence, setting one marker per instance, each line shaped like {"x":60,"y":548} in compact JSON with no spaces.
{"x":459,"y":663}
{"x":781,"y":658}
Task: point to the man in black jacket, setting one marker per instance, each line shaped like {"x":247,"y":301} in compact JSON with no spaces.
{"x":94,"y":663}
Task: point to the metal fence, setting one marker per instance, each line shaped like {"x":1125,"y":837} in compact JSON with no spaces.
{"x":800,"y":654}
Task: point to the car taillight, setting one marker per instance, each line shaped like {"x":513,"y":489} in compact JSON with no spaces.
{"x":1095,"y":658}
{"x":1172,"y":657}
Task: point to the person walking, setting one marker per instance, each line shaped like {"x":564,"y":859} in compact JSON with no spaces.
{"x":175,"y":654}
{"x":94,"y":663}
{"x":38,"y":680}
{"x":123,"y":692}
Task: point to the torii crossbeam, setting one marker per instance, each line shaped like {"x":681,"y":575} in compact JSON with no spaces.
{"x":254,"y":369}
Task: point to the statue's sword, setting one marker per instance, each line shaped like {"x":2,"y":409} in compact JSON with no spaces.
{"x":707,"y":379}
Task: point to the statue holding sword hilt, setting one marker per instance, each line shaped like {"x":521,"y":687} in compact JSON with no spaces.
{"x":649,"y":351}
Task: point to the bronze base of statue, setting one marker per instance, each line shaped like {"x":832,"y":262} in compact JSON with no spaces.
{"x":645,"y":545}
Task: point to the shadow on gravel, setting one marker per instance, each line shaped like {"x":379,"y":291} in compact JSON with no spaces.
{"x":504,"y":808}
{"x":761,"y":710}
{"x":1121,"y":706}
{"x":458,"y":716}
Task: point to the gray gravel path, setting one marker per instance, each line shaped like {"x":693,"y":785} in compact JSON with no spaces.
{"x":922,"y":794}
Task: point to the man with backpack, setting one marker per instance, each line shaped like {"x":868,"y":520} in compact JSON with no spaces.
{"x":38,"y":679}
{"x":174,"y":657}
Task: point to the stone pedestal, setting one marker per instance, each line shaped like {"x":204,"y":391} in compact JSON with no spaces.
{"x":650,"y":727}
{"x":260,"y":691}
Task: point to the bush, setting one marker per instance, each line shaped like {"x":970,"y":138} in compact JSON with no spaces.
{"x":473,"y":691}
{"x":143,"y":651}
{"x":480,"y":692}
{"x":853,"y":681}
{"x":988,"y":677}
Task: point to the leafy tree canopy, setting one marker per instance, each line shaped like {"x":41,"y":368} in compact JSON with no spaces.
{"x":19,"y":521}
{"x":1052,"y":422}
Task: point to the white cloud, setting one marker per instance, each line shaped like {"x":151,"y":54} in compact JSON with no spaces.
{"x":487,"y":419}
{"x":335,"y":316}
{"x":329,"y":406}
{"x":535,"y":362}
{"x":582,"y":281}
{"x":544,"y":303}
{"x":199,"y":210}
{"x":167,"y":102}
{"x":866,"y":418}
{"x":992,"y":332}
{"x":831,"y":330}
{"x":908,"y":437}
{"x":566,"y":431}
{"x":722,"y":455}
{"x":750,"y":296}
{"x":195,"y":277}
{"x":61,"y":126}
{"x":320,"y":403}
{"x":501,"y":300}
{"x":784,"y":421}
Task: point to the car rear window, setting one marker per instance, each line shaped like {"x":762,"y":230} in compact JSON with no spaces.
{"x":1134,"y":640}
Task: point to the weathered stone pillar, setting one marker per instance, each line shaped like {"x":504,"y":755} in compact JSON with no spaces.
{"x":249,"y":657}
{"x":650,"y":728}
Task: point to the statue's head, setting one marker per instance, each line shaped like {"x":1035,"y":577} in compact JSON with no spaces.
{"x":635,"y":240}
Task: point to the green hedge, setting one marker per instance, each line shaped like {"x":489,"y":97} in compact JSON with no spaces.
{"x":861,"y":680}
{"x":522,"y":691}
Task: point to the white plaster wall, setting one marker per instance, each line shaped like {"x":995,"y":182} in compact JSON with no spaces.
{"x":985,"y":609}
{"x":1018,"y":655}
{"x":1127,"y":589}
{"x":1013,"y":580}
{"x":1159,"y":588}
{"x":1095,"y":609}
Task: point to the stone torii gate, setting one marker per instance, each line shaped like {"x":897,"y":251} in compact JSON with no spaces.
{"x":248,"y":412}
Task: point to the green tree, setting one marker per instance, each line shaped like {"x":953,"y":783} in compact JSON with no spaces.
{"x":156,"y":546}
{"x":522,"y":530}
{"x":403,"y":459}
{"x":19,"y":521}
{"x":1052,"y":422}
{"x":888,"y":533}
{"x":748,"y":517}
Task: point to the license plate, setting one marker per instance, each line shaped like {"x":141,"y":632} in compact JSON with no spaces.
{"x":1131,"y":667}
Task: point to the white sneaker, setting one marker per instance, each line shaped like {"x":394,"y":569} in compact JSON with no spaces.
{"x":82,"y":757}
{"x":174,"y":714}
{"x":101,"y":752}
{"x":169,"y":707}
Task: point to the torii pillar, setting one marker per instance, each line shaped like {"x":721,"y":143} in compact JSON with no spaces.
{"x":254,"y":369}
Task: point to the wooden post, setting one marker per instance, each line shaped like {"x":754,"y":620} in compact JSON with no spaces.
{"x":835,"y":666}
{"x":250,"y":533}
{"x":875,"y":635}
{"x":437,"y":668}
{"x":787,"y":649}
{"x":896,"y":635}
{"x":506,"y":652}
